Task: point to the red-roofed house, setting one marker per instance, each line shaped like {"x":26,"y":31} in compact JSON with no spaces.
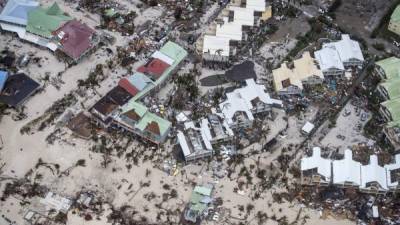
{"x":75,"y":39}
{"x":154,"y":68}
{"x":125,"y":84}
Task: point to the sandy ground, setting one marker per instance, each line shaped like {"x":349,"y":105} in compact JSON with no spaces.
{"x":117,"y":184}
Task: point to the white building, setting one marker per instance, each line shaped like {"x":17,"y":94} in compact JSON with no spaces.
{"x":240,"y":104}
{"x":393,"y":173}
{"x":329,"y":62}
{"x":315,"y":169}
{"x":216,"y":48}
{"x":56,"y":202}
{"x":349,"y":51}
{"x":231,"y":30}
{"x":256,"y":5}
{"x":334,"y":57}
{"x":347,"y":172}
{"x":195,"y":141}
{"x":373,"y":176}
{"x":243,"y":16}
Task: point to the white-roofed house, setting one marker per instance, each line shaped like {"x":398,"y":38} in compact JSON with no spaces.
{"x":346,"y":171}
{"x":216,"y":49}
{"x":256,"y":5}
{"x":315,"y":169}
{"x":373,"y":177}
{"x":393,"y":174}
{"x":242,"y":16}
{"x":242,"y":103}
{"x":329,"y":62}
{"x":236,"y":112}
{"x":349,"y":51}
{"x":195,"y":141}
{"x":231,"y":30}
{"x":256,"y":98}
{"x":334,"y":57}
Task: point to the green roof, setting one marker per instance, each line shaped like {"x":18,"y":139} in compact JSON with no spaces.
{"x":151,"y":117}
{"x":395,"y":15}
{"x":132,"y":105}
{"x":392,"y":87}
{"x":196,"y":199}
{"x":203,"y":190}
{"x":196,"y":204}
{"x":391,"y":67}
{"x":393,"y":106}
{"x":43,"y":21}
{"x":110,"y":12}
{"x":175,"y":52}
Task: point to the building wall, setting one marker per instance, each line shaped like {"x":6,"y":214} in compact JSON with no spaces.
{"x":333,"y":72}
{"x":353,"y":62}
{"x":394,"y":27}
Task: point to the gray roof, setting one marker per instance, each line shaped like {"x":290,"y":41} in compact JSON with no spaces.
{"x":140,"y":81}
{"x":16,"y":11}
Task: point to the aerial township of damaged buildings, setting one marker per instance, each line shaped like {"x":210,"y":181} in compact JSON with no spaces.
{"x":125,"y":107}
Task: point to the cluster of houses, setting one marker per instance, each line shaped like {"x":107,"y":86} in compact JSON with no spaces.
{"x":388,"y":70}
{"x":332,"y":61}
{"x":347,"y":173}
{"x":236,"y":113}
{"x":48,"y":27}
{"x":229,"y":29}
{"x":16,"y":89}
{"x":121,"y":108}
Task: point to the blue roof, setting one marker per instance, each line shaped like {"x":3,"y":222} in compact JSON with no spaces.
{"x":140,"y":81}
{"x":16,"y":11}
{"x":3,"y":79}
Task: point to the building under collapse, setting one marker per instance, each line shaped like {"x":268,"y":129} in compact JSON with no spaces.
{"x":197,"y":139}
{"x":345,"y":173}
{"x":240,"y":105}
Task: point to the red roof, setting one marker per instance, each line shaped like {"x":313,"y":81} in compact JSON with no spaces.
{"x":127,"y":86}
{"x":75,"y":38}
{"x":154,"y":67}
